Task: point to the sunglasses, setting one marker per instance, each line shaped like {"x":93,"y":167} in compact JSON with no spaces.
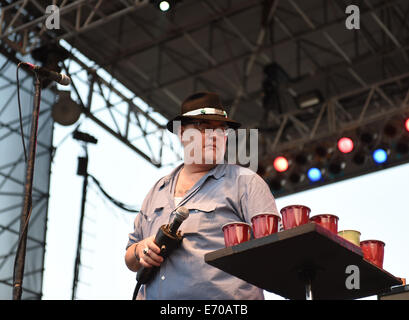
{"x":203,"y":126}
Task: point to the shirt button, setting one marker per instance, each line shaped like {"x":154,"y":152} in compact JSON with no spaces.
{"x":163,"y":277}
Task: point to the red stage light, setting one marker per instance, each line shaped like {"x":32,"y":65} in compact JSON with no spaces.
{"x":407,"y":124}
{"x":281,"y":164}
{"x":345,"y":145}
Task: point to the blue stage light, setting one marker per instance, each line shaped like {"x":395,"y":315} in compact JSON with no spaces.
{"x":314,"y":174}
{"x":380,"y":156}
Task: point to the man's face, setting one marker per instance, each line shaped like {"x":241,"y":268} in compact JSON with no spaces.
{"x":204,"y":141}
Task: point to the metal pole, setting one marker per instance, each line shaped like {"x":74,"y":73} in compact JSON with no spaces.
{"x":27,"y":204}
{"x":308,"y":290}
{"x":82,"y":170}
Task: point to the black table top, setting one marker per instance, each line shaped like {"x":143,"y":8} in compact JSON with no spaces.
{"x":278,"y":263}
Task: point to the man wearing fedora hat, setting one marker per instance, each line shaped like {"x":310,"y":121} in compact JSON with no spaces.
{"x":215,"y":193}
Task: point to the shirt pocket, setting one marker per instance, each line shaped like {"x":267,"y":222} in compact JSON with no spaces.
{"x":154,"y":220}
{"x":201,"y":217}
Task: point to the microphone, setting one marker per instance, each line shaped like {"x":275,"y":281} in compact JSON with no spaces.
{"x":181,"y":215}
{"x":44,"y":72}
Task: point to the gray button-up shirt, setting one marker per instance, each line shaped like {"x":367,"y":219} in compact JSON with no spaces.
{"x":225,"y":194}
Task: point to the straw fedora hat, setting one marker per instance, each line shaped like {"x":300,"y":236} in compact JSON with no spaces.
{"x":203,"y":106}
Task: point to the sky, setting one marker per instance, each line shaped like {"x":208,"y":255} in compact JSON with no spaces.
{"x":375,"y":204}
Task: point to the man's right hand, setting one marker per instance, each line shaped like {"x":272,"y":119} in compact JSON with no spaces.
{"x":152,"y":257}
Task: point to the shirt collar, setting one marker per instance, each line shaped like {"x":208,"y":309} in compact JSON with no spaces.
{"x":217,"y":172}
{"x":168,"y":178}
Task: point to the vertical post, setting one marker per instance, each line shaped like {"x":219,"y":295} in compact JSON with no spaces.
{"x":82,"y":171}
{"x":307,"y":275}
{"x":308,"y":290}
{"x":27,"y":204}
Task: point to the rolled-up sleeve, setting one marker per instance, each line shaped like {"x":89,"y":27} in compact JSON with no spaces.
{"x":136,"y":235}
{"x":257,"y":198}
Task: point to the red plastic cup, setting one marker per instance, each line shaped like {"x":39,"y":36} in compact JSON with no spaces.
{"x":373,"y":251}
{"x":236,"y":232}
{"x":328,"y":221}
{"x":294,"y":216}
{"x":264,"y":224}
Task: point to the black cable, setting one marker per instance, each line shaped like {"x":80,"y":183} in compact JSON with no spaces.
{"x":135,"y":292}
{"x":116,"y":202}
{"x":19,"y":111}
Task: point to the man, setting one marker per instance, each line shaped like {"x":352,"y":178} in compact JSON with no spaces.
{"x":215,"y":193}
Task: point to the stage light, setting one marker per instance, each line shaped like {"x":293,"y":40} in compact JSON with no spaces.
{"x":309,"y":99}
{"x":336,"y":166}
{"x":302,"y":158}
{"x":164,"y":6}
{"x":368,"y":138}
{"x":83,"y":136}
{"x":402,"y":146}
{"x":65,"y":111}
{"x":275,"y":184}
{"x":359,"y":158}
{"x":281,"y":164}
{"x":314,"y":174}
{"x":345,"y":145}
{"x":296,"y":177}
{"x":390,"y":130}
{"x":407,"y":124}
{"x":321,"y":151}
{"x":380,"y":156}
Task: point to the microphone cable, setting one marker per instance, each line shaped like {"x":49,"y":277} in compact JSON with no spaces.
{"x":19,"y":112}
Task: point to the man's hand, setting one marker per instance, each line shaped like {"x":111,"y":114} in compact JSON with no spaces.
{"x":148,"y":252}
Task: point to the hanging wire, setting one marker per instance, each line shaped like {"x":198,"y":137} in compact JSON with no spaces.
{"x":115,"y":202}
{"x":19,"y":112}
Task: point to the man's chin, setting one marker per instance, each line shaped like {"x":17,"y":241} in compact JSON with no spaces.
{"x":213,"y":159}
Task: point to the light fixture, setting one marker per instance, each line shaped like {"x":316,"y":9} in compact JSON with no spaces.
{"x":302,"y":158}
{"x":164,"y":5}
{"x":280,"y":164}
{"x":296,"y":177}
{"x":65,"y":111}
{"x":323,"y":150}
{"x":274,"y":184}
{"x":345,"y":145}
{"x":335,"y":167}
{"x":274,"y":77}
{"x":402,"y":146}
{"x":309,"y":99}
{"x":314,"y":174}
{"x":84,"y":137}
{"x":390,"y":130}
{"x":380,"y":155}
{"x":368,"y":138}
{"x":359,"y":158}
